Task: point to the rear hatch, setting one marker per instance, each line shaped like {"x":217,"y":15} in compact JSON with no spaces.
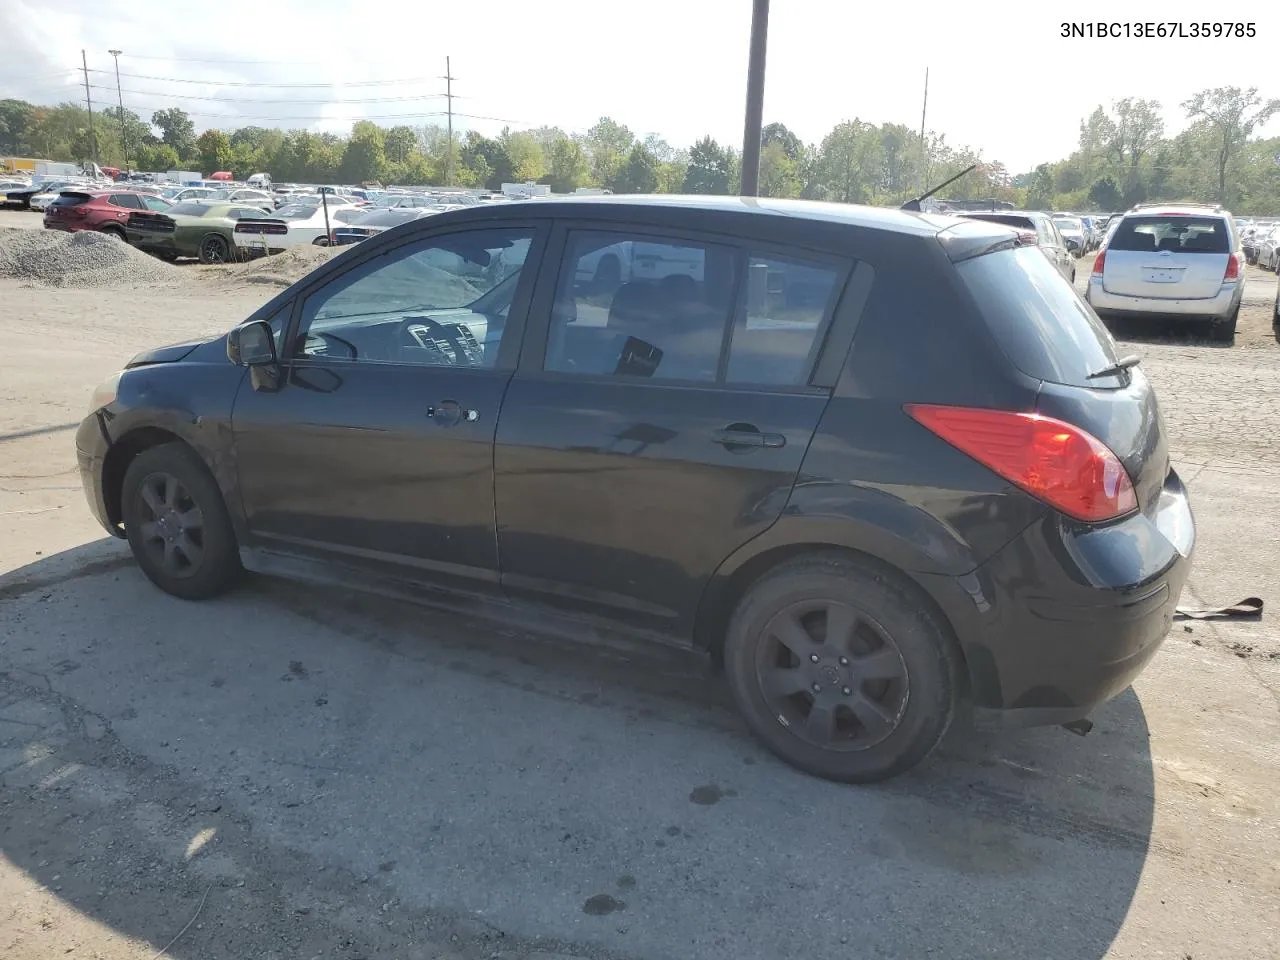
{"x":1167,"y":257}
{"x":1048,"y":332}
{"x":67,"y":201}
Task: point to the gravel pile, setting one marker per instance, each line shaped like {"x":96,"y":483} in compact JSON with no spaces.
{"x":281,"y":269}
{"x":85,"y":259}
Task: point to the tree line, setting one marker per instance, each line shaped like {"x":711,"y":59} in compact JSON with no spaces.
{"x":1123,"y":156}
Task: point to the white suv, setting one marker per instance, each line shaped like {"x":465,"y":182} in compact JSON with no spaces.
{"x":1178,"y":261}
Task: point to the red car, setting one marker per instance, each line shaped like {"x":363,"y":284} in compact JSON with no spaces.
{"x":103,"y":210}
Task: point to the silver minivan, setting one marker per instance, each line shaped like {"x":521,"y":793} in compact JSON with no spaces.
{"x":1178,"y":261}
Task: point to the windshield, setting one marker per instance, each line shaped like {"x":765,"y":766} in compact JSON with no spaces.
{"x":1044,"y":327}
{"x":1067,"y":225}
{"x":189,"y":209}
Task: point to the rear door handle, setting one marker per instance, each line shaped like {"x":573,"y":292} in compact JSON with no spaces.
{"x":746,"y":435}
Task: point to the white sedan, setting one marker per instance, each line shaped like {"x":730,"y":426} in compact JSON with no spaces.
{"x":296,"y":225}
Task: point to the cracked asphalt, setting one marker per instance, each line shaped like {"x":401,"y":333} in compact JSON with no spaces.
{"x":295,"y":772}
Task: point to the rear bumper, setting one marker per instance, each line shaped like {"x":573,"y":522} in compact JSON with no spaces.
{"x":1113,"y":304}
{"x":1066,"y":616}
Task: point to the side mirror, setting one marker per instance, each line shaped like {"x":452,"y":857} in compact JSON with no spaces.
{"x":252,"y":344}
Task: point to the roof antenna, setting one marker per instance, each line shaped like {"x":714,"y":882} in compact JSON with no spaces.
{"x":915,"y":204}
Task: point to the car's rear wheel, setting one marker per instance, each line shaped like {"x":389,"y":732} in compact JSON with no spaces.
{"x":841,"y":668}
{"x":177,"y":523}
{"x":112,"y":231}
{"x":1224,"y":330}
{"x":214,"y":249}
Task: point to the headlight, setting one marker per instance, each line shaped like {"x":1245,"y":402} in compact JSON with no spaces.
{"x":104,"y":393}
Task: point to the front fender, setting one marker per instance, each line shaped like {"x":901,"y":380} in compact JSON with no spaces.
{"x":192,"y":401}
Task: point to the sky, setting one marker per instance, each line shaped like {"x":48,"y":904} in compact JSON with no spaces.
{"x":1001,"y":78}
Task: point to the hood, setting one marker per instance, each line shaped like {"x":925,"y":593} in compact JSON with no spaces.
{"x":169,"y":354}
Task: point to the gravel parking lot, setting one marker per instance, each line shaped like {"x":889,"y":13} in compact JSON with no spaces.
{"x":301,"y":773}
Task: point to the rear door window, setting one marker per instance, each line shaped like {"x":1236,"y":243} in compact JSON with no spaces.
{"x":1044,"y":327}
{"x":788,"y":305}
{"x":1175,"y":234}
{"x":129,"y":200}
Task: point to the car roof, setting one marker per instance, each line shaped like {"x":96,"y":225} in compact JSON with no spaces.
{"x":1165,"y":210}
{"x":880,"y":218}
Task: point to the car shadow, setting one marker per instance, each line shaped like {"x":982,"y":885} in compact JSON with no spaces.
{"x":313,"y":771}
{"x":1165,"y":331}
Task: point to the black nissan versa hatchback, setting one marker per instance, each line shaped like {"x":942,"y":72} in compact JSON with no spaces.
{"x":876,"y":461}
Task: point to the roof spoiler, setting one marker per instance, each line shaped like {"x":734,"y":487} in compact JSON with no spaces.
{"x":914,"y":205}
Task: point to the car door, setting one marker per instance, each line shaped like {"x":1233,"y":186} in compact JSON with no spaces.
{"x":656,"y":422}
{"x":374,"y":446}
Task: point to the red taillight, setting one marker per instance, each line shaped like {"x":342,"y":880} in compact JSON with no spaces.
{"x":1060,"y":464}
{"x":1233,"y":267}
{"x":1100,"y":262}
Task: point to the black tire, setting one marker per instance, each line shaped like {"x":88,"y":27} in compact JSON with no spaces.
{"x":1224,"y":330}
{"x":177,"y":523}
{"x":876,"y":721}
{"x":113,"y":231}
{"x":1275,"y":311}
{"x":214,"y":249}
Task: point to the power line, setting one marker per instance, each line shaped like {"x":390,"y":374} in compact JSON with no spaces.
{"x":255,"y":83}
{"x":300,"y":63}
{"x":194,"y":96}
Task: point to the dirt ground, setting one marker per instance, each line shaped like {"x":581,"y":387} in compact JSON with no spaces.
{"x":291,"y":772}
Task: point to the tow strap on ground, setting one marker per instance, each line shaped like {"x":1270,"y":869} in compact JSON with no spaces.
{"x":1250,"y":608}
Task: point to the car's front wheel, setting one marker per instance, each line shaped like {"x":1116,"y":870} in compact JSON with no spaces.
{"x":842,"y":668}
{"x":177,"y":523}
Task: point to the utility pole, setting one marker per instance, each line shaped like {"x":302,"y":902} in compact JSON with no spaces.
{"x":924,"y":150}
{"x":448,"y":96}
{"x":755,"y":99}
{"x":124,"y":140}
{"x":93,"y":136}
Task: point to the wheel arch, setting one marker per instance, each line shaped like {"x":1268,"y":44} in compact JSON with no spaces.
{"x":739,"y":572}
{"x":121,"y":453}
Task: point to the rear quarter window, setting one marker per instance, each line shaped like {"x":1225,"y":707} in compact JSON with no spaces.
{"x":1173,"y":234}
{"x":1040,"y":322}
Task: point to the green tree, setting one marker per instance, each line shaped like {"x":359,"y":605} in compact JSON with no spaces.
{"x":567,"y":165}
{"x":177,"y":130}
{"x":638,"y":174}
{"x":849,"y":161}
{"x":158,"y":157}
{"x":15,"y":118}
{"x":400,"y":142}
{"x":710,"y":168}
{"x":1040,"y":189}
{"x":364,"y":157}
{"x":784,"y":138}
{"x":481,"y":154}
{"x":528,"y":163}
{"x":778,"y":173}
{"x":608,"y":143}
{"x":212,"y":150}
{"x":1232,"y":114}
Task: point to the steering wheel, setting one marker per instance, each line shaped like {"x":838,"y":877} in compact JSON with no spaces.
{"x":425,"y":333}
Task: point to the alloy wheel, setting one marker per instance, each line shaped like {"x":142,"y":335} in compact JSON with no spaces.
{"x":214,"y":250}
{"x":172,"y":530}
{"x":832,"y":675}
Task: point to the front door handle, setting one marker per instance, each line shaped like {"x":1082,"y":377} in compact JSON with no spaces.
{"x":747,"y":436}
{"x":447,"y":413}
